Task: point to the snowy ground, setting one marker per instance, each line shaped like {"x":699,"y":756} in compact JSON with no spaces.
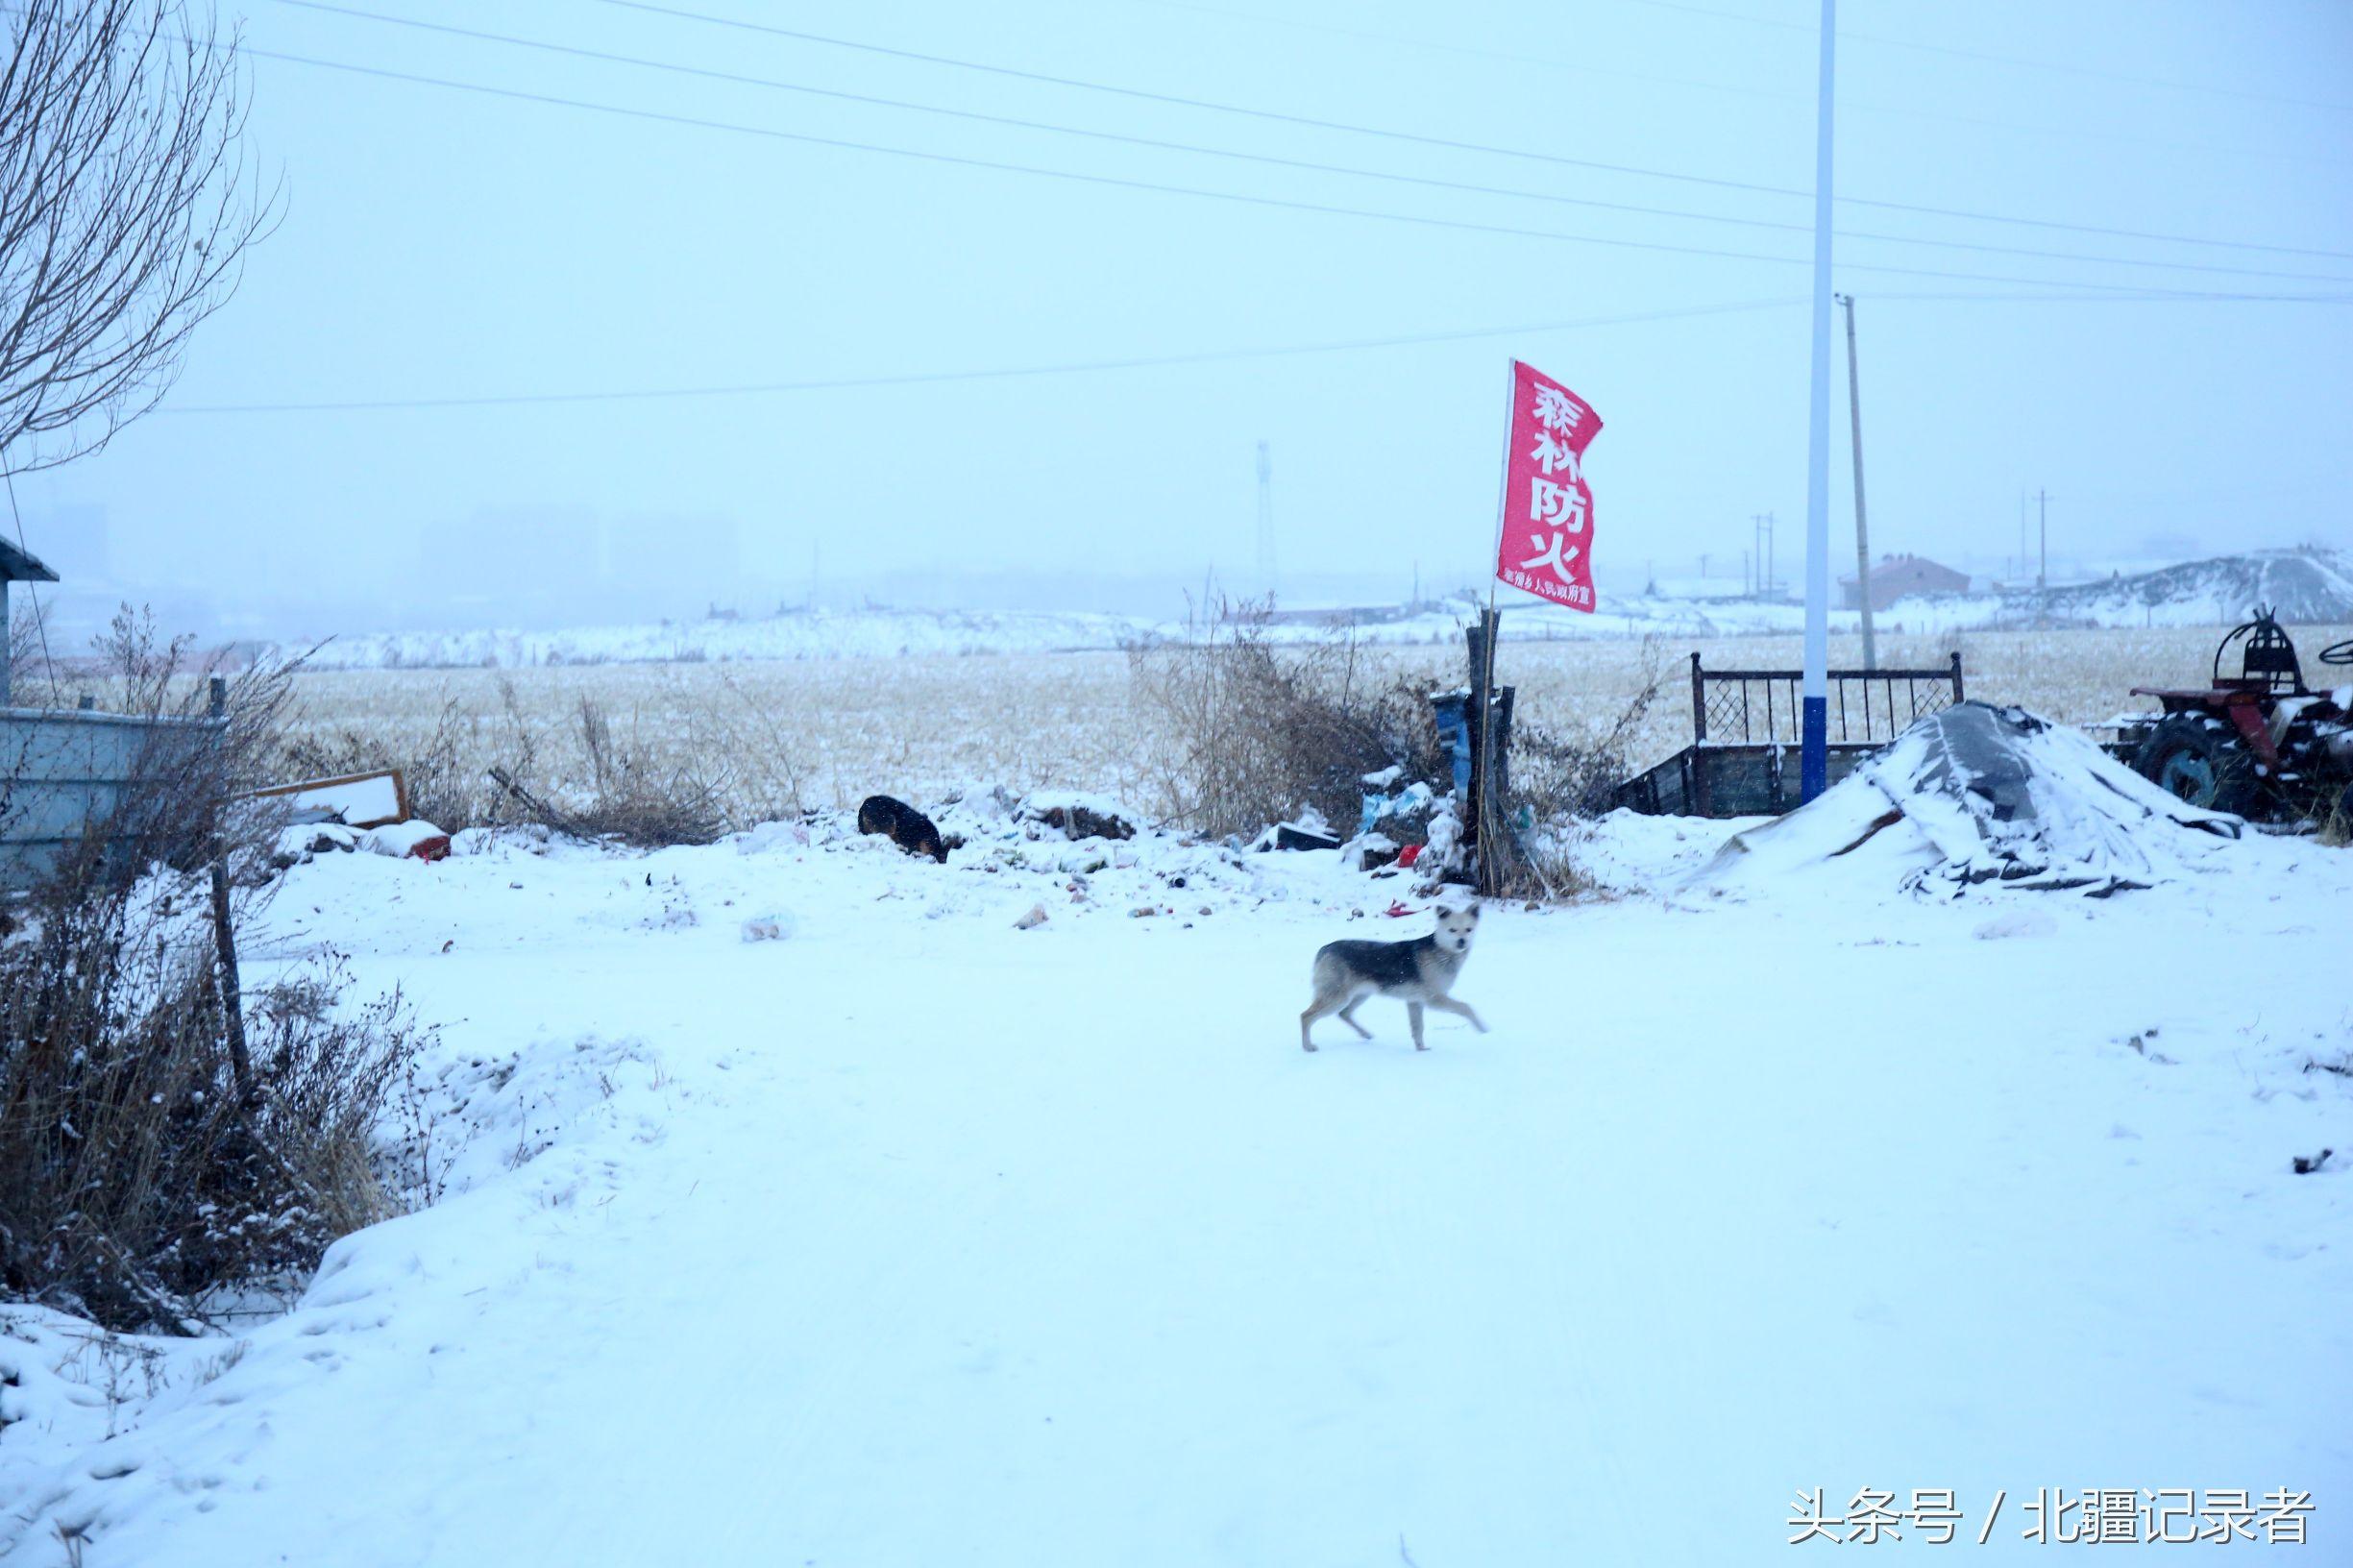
{"x":917,"y":1240}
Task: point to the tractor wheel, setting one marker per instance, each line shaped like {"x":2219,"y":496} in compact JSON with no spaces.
{"x":2202,"y":761}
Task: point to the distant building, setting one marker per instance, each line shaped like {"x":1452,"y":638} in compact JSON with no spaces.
{"x":1899,"y":576}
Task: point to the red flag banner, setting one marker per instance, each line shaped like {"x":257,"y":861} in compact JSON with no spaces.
{"x":1544,"y":538}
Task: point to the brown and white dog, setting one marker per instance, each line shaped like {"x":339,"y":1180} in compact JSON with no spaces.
{"x":1419,"y":972}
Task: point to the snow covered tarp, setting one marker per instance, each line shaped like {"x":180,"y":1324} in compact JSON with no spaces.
{"x":1983,"y":795}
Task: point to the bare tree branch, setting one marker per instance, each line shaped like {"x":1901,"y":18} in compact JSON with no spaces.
{"x":126,"y":206}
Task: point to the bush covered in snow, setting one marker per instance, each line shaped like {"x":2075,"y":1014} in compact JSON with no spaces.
{"x":148,"y":1163}
{"x":165,"y":1142}
{"x":1248,"y":730}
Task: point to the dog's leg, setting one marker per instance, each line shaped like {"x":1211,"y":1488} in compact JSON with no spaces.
{"x":1414,"y":1014}
{"x":1348,"y":1016}
{"x":1325,"y":1004}
{"x":1460,"y":1010}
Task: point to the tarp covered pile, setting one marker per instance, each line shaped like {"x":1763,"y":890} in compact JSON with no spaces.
{"x":1983,"y":795}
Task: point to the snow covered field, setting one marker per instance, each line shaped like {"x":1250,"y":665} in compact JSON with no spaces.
{"x":913,"y":1238}
{"x":919,"y":726}
{"x":2304,"y":586}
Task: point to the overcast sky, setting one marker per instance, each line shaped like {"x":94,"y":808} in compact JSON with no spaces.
{"x":449,"y":244}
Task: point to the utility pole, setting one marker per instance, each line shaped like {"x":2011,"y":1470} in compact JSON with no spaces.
{"x":1703,"y":570}
{"x":1814,"y":725}
{"x":1266,"y":521}
{"x":1862,"y":530}
{"x":2042,"y":553}
{"x":1762,"y":525}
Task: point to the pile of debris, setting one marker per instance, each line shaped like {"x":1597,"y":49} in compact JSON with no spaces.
{"x":1980,"y":795}
{"x":356,"y":811}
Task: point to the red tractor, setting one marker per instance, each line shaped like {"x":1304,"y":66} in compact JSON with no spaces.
{"x":2259,"y":743}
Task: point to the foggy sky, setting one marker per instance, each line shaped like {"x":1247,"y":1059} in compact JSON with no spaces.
{"x":444,"y":244}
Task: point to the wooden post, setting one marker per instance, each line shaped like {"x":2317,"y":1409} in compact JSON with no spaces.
{"x":1698,"y":701}
{"x":224,"y":933}
{"x":1499,"y":765}
{"x":1475,"y":715}
{"x":1956,"y":678}
{"x":1490,"y":831}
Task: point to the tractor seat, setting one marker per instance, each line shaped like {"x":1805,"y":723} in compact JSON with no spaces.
{"x":2272,"y":664}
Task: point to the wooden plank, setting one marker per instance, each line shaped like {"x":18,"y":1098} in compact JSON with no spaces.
{"x":369,"y":800}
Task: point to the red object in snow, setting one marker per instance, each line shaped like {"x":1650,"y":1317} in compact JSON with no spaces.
{"x":436,"y":848}
{"x":1397,"y":911}
{"x":1407,"y":856}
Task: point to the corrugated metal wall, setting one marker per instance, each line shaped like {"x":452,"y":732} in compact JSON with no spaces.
{"x":64,"y":772}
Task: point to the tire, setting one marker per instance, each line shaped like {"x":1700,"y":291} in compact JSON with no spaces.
{"x":2202,"y":762}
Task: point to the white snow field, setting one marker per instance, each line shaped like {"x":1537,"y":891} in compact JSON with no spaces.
{"x":913,"y":1238}
{"x":2307,"y":585}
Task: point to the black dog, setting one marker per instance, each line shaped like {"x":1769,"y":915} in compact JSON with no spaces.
{"x":904,"y":825}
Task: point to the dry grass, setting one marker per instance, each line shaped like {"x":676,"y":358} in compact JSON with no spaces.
{"x":1239,"y":732}
{"x":836,"y":731}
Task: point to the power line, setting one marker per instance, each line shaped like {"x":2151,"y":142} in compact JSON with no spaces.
{"x":745,"y":79}
{"x":1991,"y":57}
{"x":1159,"y":187}
{"x":1147,"y":362}
{"x":1846,"y":105}
{"x":2095,"y":72}
{"x":650,"y":7}
{"x":931,"y":378}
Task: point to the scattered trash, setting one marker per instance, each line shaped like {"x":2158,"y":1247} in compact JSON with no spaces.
{"x":1033,"y":919}
{"x":413,"y":840}
{"x":1309,"y":830}
{"x":1079,"y":816}
{"x":2306,"y":1167}
{"x":769,"y":927}
{"x":297,"y":845}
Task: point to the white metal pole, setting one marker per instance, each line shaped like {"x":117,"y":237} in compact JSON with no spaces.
{"x":1814,"y":753}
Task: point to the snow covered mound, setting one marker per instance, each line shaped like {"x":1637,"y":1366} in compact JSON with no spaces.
{"x":1979,"y":794}
{"x":2302,"y":585}
{"x":2306,"y":586}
